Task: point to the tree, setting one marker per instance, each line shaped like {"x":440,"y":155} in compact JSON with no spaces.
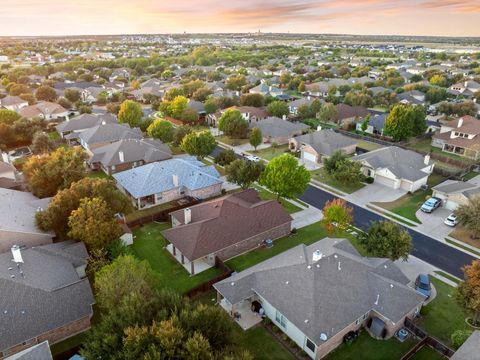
{"x":55,"y":216}
{"x":468,"y":291}
{"x":177,"y":107}
{"x":243,"y":172}
{"x":419,"y":125}
{"x":130,"y":113}
{"x":365,"y":123}
{"x":93,"y":223}
{"x":84,"y":109}
{"x":46,"y":93}
{"x":210,"y":106}
{"x":199,"y":144}
{"x":331,"y":163}
{"x":328,"y":113}
{"x":255,"y":100}
{"x":135,"y":84}
{"x":189,"y":115}
{"x":161,"y":129}
{"x":256,"y":137}
{"x":173,"y":93}
{"x":278,"y":109}
{"x":400,"y":122}
{"x":180,"y":133}
{"x":387,"y":239}
{"x":72,"y":95}
{"x":18,"y":89}
{"x":337,"y":213}
{"x":41,"y":143}
{"x":301,"y":87}
{"x":435,"y":95}
{"x":285,"y":177}
{"x":225,"y":157}
{"x":348,"y":172}
{"x":64,"y":103}
{"x":233,"y":124}
{"x":235,"y":82}
{"x":469,"y":215}
{"x":8,"y":117}
{"x":438,"y":80}
{"x":48,"y":173}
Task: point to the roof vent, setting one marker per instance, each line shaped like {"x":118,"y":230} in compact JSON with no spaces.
{"x":391,"y":286}
{"x":323,"y":337}
{"x":232,"y":283}
{"x":306,"y":321}
{"x":339,"y":267}
{"x":335,"y":256}
{"x":317,"y":255}
{"x":309,"y":266}
{"x":378,"y":298}
{"x":318,"y":266}
{"x":286,"y":282}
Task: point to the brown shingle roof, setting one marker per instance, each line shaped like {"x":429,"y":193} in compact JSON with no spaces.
{"x":346,"y":111}
{"x":224,"y":222}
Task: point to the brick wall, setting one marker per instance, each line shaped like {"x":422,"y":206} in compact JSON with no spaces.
{"x":253,"y":242}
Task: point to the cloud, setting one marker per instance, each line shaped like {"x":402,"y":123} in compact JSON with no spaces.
{"x":456,"y":5}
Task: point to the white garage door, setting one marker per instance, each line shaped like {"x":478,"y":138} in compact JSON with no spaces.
{"x":382,"y":180}
{"x":450,"y":205}
{"x":309,"y":157}
{"x":405,"y":185}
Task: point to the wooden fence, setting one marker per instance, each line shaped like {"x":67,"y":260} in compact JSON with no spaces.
{"x":207,"y":286}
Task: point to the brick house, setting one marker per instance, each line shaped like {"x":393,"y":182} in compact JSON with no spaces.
{"x":249,"y":113}
{"x":224,"y":228}
{"x":107,"y":133}
{"x":46,"y":295}
{"x":161,"y":182}
{"x":316,"y":294}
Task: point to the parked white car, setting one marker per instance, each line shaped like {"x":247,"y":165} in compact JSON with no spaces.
{"x":451,"y":220}
{"x":252,"y":158}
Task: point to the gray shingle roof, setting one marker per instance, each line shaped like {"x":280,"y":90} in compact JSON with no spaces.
{"x":148,"y":150}
{"x":326,"y":142}
{"x":276,"y":127}
{"x":85,"y":121}
{"x":404,"y":164}
{"x":470,"y":348}
{"x":109,"y":132}
{"x":36,"y":352}
{"x":157,"y":177}
{"x":50,"y":293}
{"x":327,"y":295}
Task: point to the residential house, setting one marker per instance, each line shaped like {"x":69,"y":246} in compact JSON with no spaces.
{"x":36,"y":352}
{"x":44,"y":110}
{"x":126,"y":154}
{"x":279,"y":131}
{"x":46,"y":295}
{"x":315,"y":146}
{"x":224,"y":228}
{"x":250,"y":114}
{"x":121,"y":73}
{"x":413,"y":97}
{"x":348,"y":114}
{"x":107,"y":133}
{"x":295,"y":104}
{"x":266,"y":90}
{"x":317,"y":294}
{"x":466,"y":88}
{"x":71,"y":128}
{"x":169,"y":180}
{"x":13,"y":103}
{"x":376,"y":123}
{"x":396,"y":168}
{"x":460,"y":137}
{"x":8,"y":175}
{"x":19,"y":226}
{"x":455,"y":193}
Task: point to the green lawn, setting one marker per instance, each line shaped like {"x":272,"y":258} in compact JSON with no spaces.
{"x":267,"y":195}
{"x":219,"y":168}
{"x":149,"y":245}
{"x":425,"y":145}
{"x":367,"y":348}
{"x":442,"y":316}
{"x":367,"y":145}
{"x":261,"y":344}
{"x":229,"y":141}
{"x":53,"y":135}
{"x":409,"y":204}
{"x":138,"y":214}
{"x":271,"y":152}
{"x":307,"y":235}
{"x":427,"y":353}
{"x":448,"y":276}
{"x":322,"y":176}
{"x":470,"y":175}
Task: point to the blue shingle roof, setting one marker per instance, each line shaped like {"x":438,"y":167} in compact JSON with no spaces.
{"x":157,"y":177}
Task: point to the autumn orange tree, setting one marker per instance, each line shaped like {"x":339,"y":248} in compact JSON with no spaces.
{"x":468,"y":292}
{"x":337,"y":214}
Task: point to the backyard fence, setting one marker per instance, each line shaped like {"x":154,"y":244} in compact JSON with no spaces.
{"x":207,"y":286}
{"x":426,"y":340}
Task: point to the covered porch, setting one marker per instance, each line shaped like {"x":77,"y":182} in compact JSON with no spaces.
{"x":193,"y":267}
{"x":243,"y":312}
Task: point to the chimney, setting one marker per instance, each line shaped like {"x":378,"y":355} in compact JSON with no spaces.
{"x":121,"y":156}
{"x":319,"y":128}
{"x":460,"y":122}
{"x":175,"y":180}
{"x":426,"y":159}
{"x":317,"y":255}
{"x":17,"y":254}
{"x":187,"y":213}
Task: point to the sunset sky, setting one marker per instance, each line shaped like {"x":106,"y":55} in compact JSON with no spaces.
{"x":76,"y":17}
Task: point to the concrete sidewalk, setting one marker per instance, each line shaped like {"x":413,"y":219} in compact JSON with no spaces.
{"x":306,"y":217}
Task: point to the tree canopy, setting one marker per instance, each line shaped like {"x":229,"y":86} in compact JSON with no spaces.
{"x":336,"y":214}
{"x":130,"y":113}
{"x":278,"y":109}
{"x":468,"y":291}
{"x":199,"y":144}
{"x":161,"y":129}
{"x":233,"y":124}
{"x":244,"y":173}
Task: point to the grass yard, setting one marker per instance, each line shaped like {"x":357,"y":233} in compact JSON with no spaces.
{"x":425,"y":146}
{"x":149,"y":245}
{"x":229,"y":141}
{"x":368,"y":145}
{"x":271,"y":152}
{"x":267,"y":195}
{"x":470,"y":175}
{"x":219,"y":168}
{"x":427,"y":353}
{"x":408,"y":204}
{"x":53,"y":135}
{"x":443,"y":316}
{"x":367,"y":348}
{"x":307,"y":235}
{"x":322,"y":176}
{"x":448,"y":276}
{"x":138,"y":214}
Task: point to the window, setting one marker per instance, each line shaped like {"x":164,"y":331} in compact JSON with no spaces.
{"x":281,"y":319}
{"x":310,"y":345}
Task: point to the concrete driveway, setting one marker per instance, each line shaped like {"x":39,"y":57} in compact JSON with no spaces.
{"x":309,"y":165}
{"x":374,"y":193}
{"x":432,"y":224}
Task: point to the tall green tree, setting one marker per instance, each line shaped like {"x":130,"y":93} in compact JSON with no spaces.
{"x":387,"y":239}
{"x":328,"y":113}
{"x":256,"y":137}
{"x":400,"y":122}
{"x":233,"y":124}
{"x":199,"y":144}
{"x":130,"y":113}
{"x":278,"y":109}
{"x":161,"y":129}
{"x":180,"y":133}
{"x":244,"y":173}
{"x":285,"y":177}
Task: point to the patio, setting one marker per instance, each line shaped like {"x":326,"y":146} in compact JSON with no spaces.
{"x":193,"y":268}
{"x":242,"y":313}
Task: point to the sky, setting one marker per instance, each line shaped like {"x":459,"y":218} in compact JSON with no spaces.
{"x":365,"y":17}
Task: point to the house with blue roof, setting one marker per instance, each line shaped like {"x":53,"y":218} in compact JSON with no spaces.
{"x":161,"y":182}
{"x":376,"y":124}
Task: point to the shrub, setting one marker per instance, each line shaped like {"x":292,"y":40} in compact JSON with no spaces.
{"x":225,"y":157}
{"x":285,"y":337}
{"x":369,"y":180}
{"x":459,"y":337}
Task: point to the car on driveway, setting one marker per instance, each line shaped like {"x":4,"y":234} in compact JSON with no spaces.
{"x":422,"y":285}
{"x":252,"y":158}
{"x":451,"y":220}
{"x":431,"y":204}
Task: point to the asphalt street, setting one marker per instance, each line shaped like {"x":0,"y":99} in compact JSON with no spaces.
{"x":428,"y":249}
